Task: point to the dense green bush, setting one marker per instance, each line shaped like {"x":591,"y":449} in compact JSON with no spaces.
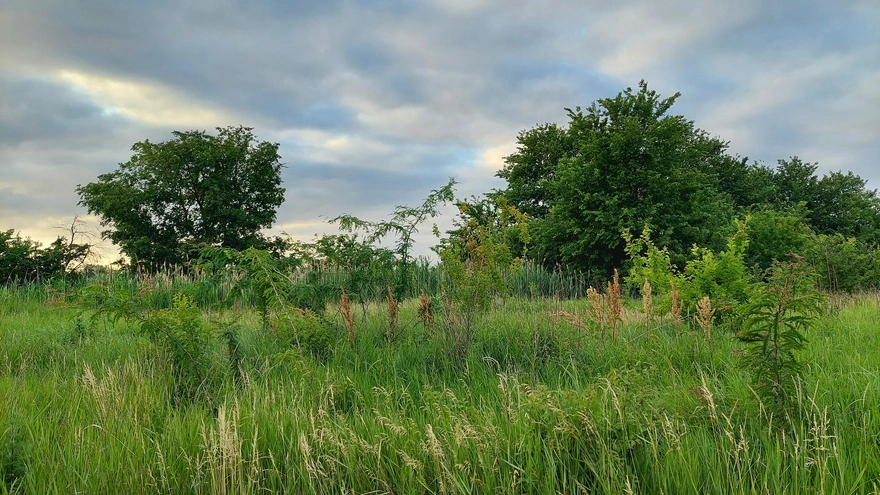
{"x":843,"y":263}
{"x":772,"y":236}
{"x":25,"y":260}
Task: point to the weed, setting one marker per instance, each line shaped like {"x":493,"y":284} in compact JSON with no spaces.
{"x":704,"y":316}
{"x":775,"y":319}
{"x":348,"y":317}
{"x":426,"y":312}
{"x":393,"y":316}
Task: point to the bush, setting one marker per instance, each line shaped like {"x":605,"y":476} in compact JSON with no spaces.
{"x":772,"y":236}
{"x":302,"y":329}
{"x":775,"y":319}
{"x":843,"y":263}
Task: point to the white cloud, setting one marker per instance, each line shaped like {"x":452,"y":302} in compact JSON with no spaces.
{"x":147,"y":103}
{"x":642,"y":35}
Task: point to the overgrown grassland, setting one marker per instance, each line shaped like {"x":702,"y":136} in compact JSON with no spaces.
{"x":540,"y":406}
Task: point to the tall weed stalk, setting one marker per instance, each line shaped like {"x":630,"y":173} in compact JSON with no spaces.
{"x":775,"y":319}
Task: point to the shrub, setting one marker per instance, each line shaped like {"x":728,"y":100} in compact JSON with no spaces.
{"x":843,"y":263}
{"x":773,"y":324}
{"x":303,"y":329}
{"x":772,"y":236}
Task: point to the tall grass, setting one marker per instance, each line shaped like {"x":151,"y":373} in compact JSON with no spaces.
{"x":539,"y":406}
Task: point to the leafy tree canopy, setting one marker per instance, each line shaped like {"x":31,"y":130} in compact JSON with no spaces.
{"x":627,"y":162}
{"x":621,"y":164}
{"x":193,"y":191}
{"x":25,"y":260}
{"x":836,"y":203}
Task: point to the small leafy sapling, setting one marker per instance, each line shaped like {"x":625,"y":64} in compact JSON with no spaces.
{"x":404,"y":224}
{"x":475,"y":259}
{"x":773,"y":325}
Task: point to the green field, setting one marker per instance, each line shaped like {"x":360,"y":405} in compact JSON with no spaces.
{"x":539,"y":405}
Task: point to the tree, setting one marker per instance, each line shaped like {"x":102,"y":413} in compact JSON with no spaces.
{"x":794,"y":182}
{"x":475,"y":258}
{"x":745,"y":184}
{"x":837,"y":203}
{"x":193,"y":191}
{"x":25,"y":260}
{"x":773,"y":236}
{"x":530,"y":171}
{"x":404,"y":224}
{"x":628,"y":164}
{"x":843,"y":206}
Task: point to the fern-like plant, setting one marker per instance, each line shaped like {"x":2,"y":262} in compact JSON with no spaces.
{"x":773,"y":325}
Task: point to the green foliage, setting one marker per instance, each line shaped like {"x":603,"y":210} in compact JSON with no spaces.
{"x":773,"y":235}
{"x":404,"y":224}
{"x":285,"y":307}
{"x":25,"y":261}
{"x":179,"y":331}
{"x":530,"y":171}
{"x":775,"y":321}
{"x":722,"y":276}
{"x":794,"y":183}
{"x":843,"y":263}
{"x":540,"y":406}
{"x":843,"y":206}
{"x":15,"y":456}
{"x":365,"y":270}
{"x":647,"y":261}
{"x":625,"y":162}
{"x":304,"y":330}
{"x":172,"y":198}
{"x":746,"y":184}
{"x":475,"y":260}
{"x":837,"y":203}
{"x":628,"y":164}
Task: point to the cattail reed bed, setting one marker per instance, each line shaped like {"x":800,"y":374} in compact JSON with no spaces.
{"x":542,"y":404}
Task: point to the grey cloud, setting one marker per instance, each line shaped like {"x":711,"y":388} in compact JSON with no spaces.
{"x":34,"y":109}
{"x":420,"y":90}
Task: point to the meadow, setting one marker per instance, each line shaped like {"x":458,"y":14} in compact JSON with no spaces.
{"x":542,"y":402}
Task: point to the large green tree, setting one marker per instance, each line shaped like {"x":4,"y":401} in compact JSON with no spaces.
{"x":530,"y":171}
{"x":836,"y":203}
{"x":623,"y":163}
{"x":192,"y":191}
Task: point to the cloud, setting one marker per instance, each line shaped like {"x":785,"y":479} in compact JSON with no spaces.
{"x":145,"y":103}
{"x":376,"y":103}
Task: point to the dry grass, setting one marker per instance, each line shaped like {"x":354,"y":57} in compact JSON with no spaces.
{"x":348,"y":316}
{"x":393,"y":314}
{"x":675,"y":306}
{"x":571,"y":319}
{"x":704,"y":316}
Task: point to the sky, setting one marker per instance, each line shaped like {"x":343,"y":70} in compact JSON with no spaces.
{"x":375,"y":103}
